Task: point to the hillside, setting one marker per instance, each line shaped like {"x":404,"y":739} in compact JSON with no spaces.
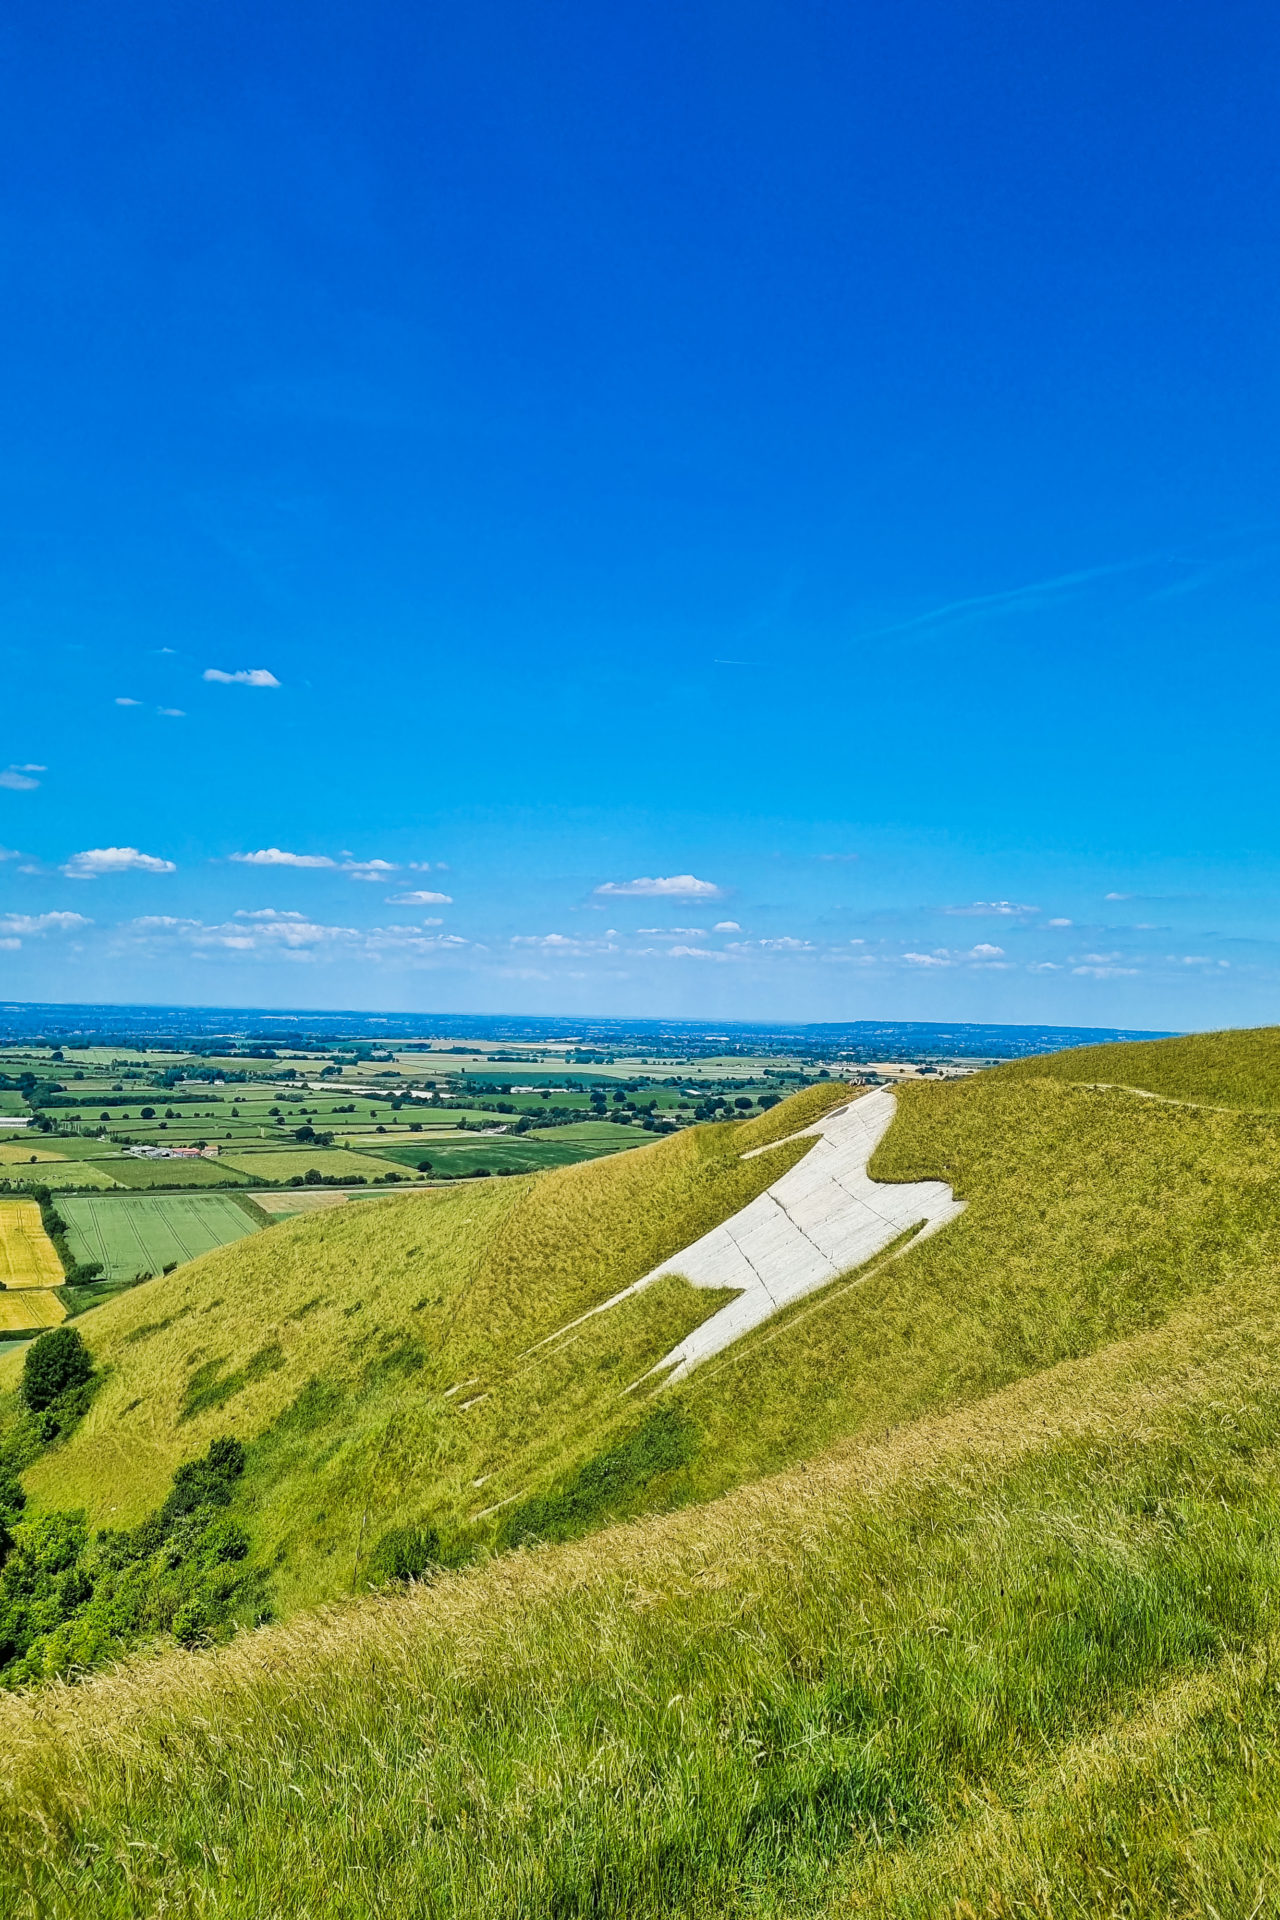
{"x":376,"y":1360}
{"x":962,"y":1591}
{"x":1238,"y":1068}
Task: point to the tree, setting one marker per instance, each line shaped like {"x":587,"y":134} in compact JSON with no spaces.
{"x":56,"y":1362}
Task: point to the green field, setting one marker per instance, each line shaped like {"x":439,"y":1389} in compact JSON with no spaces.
{"x":334,"y":1162}
{"x":142,"y":1174}
{"x":514,"y":1153}
{"x":130,"y":1234}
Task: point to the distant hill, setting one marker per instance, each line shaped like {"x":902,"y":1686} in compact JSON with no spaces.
{"x":949,"y":1589}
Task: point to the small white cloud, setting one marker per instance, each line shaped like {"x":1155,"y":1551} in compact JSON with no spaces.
{"x":939,"y":959}
{"x":678,"y":886}
{"x":676,"y":933}
{"x":694,"y":953}
{"x":1057,"y":923}
{"x":10,"y":946}
{"x":1104,"y":973}
{"x":96,"y":861}
{"x":726,"y":926}
{"x":1117,"y":896}
{"x":1000,"y":909}
{"x":123,"y":700}
{"x":369,"y":869}
{"x":9,"y":853}
{"x":428,"y":866}
{"x":786,"y":944}
{"x":18,"y":779}
{"x":279,"y":857}
{"x":171,"y":713}
{"x":420,"y":897}
{"x":984,"y":951}
{"x":1044,"y":966}
{"x":243,"y":677}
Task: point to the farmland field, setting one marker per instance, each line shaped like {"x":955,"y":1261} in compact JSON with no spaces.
{"x":284,"y":1163}
{"x":27,"y":1254}
{"x":23,"y":1152}
{"x":509,"y":1153}
{"x":170,"y":1173}
{"x":131,"y":1233}
{"x":26,"y":1308}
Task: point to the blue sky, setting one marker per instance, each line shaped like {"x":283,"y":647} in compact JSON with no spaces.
{"x":769,"y":510}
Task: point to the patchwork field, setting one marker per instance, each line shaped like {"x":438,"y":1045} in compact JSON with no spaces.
{"x":130,"y":1234}
{"x":28,"y":1257}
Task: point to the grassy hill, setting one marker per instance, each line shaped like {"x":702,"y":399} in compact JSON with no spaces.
{"x":961,"y":1601}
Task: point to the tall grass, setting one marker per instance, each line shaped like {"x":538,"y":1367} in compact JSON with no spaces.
{"x":878,"y":1685}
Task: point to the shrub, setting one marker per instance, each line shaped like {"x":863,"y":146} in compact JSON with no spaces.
{"x":404,"y":1553}
{"x":55,"y":1362}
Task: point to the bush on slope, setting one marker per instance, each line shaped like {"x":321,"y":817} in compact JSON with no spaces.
{"x":874,"y":1686}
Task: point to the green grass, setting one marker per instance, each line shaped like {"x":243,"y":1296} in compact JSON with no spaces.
{"x":60,"y":1174}
{"x":1238,"y":1068}
{"x":1019,"y":1657}
{"x":128,"y":1234}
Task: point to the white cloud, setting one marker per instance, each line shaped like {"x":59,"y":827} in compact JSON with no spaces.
{"x":18,"y":779}
{"x":10,"y":946}
{"x":123,"y":700}
{"x":1104,"y":973}
{"x":279,"y":857}
{"x":1044,"y":966}
{"x":428,"y":866}
{"x":29,"y":923}
{"x":369,"y":869}
{"x":1057,"y":923}
{"x":171,"y":713}
{"x":99,"y":860}
{"x":1001,"y":909}
{"x":9,"y":853}
{"x":1117,"y":896}
{"x":939,"y":959}
{"x":695,"y":953}
{"x":726,"y":926}
{"x":270,"y":932}
{"x":679,"y":886}
{"x":677,"y":933}
{"x":984,"y":951}
{"x":786,"y":944}
{"x":244,"y":677}
{"x":420,"y":898}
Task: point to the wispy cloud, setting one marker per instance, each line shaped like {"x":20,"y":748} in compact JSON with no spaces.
{"x":676,"y":933}
{"x":96,"y":861}
{"x":18,"y":778}
{"x":726,"y":926}
{"x":678,"y":886}
{"x":123,"y":700}
{"x":242,"y":677}
{"x":993,"y":909}
{"x":370,"y":869}
{"x":1035,"y":593}
{"x":421,"y":897}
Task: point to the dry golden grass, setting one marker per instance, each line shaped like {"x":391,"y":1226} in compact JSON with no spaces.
{"x":28,"y":1257}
